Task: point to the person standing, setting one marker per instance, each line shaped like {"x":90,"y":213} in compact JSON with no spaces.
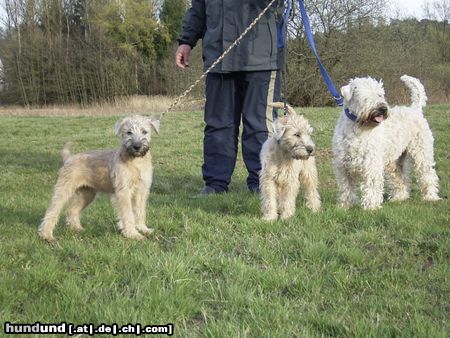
{"x":238,"y":88}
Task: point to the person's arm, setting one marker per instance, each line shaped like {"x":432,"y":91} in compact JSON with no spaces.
{"x":194,"y":26}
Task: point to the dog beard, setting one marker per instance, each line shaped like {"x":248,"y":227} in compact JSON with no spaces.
{"x":377,"y":115}
{"x":298,"y":154}
{"x":300,"y":157}
{"x":137,"y":153}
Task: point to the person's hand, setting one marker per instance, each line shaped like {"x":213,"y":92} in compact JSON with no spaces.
{"x":182,"y":56}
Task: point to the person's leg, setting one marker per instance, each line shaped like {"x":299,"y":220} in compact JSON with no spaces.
{"x":221,"y":132}
{"x":261,"y":88}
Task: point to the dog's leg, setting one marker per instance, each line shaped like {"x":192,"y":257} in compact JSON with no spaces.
{"x":81,"y":199}
{"x":347,"y":187}
{"x":422,"y":154}
{"x":64,"y":189}
{"x":122,"y":202}
{"x":287,"y":196}
{"x":268,"y":199}
{"x":309,"y":179}
{"x":372,"y":186}
{"x":139,"y":203}
{"x":398,"y":173}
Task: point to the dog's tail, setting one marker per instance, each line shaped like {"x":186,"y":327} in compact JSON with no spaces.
{"x":280,"y":105}
{"x":65,"y":152}
{"x":418,"y":95}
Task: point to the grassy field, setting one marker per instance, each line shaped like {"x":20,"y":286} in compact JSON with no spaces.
{"x":213,"y":267}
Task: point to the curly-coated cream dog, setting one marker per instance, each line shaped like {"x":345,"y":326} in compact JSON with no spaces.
{"x":371,"y":140}
{"x":287,"y":161}
{"x":125,"y":173}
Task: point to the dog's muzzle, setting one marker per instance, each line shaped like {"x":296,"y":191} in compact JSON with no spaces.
{"x":310,"y":150}
{"x":379,"y":114}
{"x":303,"y":153}
{"x":137,"y":149}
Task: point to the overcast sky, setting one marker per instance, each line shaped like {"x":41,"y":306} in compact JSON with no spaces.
{"x":407,"y":8}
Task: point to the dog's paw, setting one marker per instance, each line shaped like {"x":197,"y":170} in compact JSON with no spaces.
{"x":133,"y":235}
{"x":119,"y":225}
{"x":45,"y":234}
{"x":314,"y":206}
{"x":76,"y":228}
{"x":431,"y":198}
{"x":270,"y":217}
{"x":286,"y":215}
{"x":398,"y":198}
{"x":47,"y":237}
{"x":371,"y":207}
{"x":74,"y":224}
{"x":346,"y":203}
{"x":145,"y":230}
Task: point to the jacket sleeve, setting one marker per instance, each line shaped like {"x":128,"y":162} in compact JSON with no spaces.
{"x":194,"y":24}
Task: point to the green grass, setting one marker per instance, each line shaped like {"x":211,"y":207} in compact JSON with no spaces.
{"x":214,"y":268}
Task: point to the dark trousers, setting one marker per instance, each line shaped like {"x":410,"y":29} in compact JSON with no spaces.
{"x":230,"y":98}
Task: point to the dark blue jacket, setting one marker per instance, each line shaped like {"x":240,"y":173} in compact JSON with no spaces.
{"x":220,"y":22}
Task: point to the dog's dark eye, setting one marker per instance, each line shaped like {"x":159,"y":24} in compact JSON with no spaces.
{"x":144,"y":132}
{"x":129,"y":133}
{"x":297,"y":134}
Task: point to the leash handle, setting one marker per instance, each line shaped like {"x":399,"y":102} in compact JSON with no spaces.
{"x":309,"y":36}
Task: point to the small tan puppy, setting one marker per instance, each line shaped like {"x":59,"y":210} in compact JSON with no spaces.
{"x":287,"y":160}
{"x":125,"y":173}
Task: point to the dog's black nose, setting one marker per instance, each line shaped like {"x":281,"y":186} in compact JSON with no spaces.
{"x":310,"y":149}
{"x":383,"y":110}
{"x":137,"y":146}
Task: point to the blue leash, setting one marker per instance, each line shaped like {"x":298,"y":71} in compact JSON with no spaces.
{"x":337,"y":97}
{"x":309,"y":36}
{"x":282,"y":28}
{"x":282,"y":37}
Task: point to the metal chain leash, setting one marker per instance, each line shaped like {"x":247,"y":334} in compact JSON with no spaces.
{"x":225,"y":53}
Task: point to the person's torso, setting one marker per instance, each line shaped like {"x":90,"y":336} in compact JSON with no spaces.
{"x":225,"y":22}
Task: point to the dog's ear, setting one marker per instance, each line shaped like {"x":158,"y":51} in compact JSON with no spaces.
{"x":346,"y":92}
{"x":278,"y":129}
{"x":154,"y":123}
{"x":118,"y":126}
{"x":290,"y":110}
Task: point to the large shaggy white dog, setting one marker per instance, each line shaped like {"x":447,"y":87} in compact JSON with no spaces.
{"x":371,"y":139}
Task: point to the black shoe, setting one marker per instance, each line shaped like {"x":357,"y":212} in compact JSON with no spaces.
{"x":206,"y":191}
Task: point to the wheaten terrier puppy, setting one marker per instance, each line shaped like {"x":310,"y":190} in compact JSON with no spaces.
{"x":125,"y":173}
{"x":287,"y":160}
{"x":371,"y":139}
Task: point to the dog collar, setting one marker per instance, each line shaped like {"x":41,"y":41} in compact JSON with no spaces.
{"x":350,"y":115}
